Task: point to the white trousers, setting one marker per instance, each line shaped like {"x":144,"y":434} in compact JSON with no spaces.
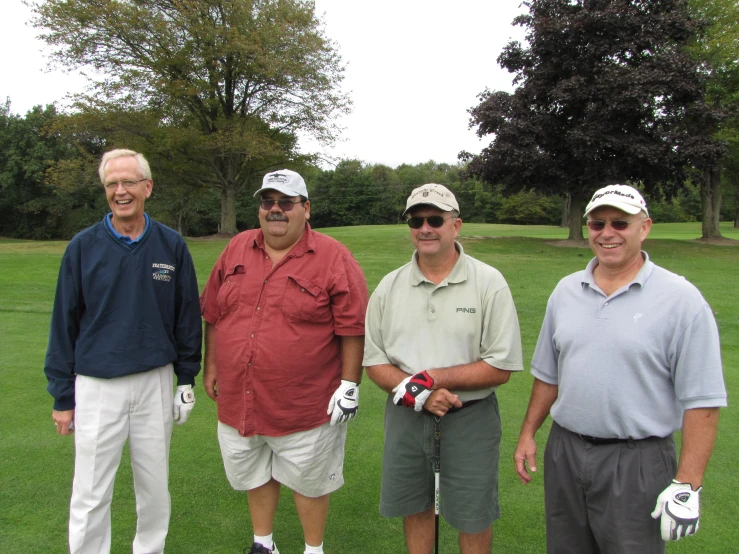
{"x":107,"y":413}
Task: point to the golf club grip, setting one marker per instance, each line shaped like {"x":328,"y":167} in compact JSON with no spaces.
{"x":436,"y":534}
{"x":436,"y":495}
{"x":437,"y":444}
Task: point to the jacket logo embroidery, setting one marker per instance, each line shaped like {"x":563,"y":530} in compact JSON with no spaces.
{"x":162,"y":272}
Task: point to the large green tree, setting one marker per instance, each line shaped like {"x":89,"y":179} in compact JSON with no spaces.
{"x":183,"y":194}
{"x":717,"y":48}
{"x":238,"y":79}
{"x":606,"y":93}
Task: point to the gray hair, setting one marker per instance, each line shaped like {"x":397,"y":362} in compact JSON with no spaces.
{"x":123,"y":153}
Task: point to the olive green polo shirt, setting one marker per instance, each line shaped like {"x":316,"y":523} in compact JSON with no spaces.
{"x":417,"y":325}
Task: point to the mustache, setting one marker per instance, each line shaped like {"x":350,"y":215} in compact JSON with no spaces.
{"x":276,"y":217}
{"x":428,"y":236}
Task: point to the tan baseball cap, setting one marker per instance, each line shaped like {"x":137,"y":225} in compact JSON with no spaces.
{"x":432,"y":195}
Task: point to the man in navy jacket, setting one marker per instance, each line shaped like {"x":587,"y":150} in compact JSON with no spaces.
{"x":126,"y":320}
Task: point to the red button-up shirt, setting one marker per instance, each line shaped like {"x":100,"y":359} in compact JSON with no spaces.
{"x":278,"y":330}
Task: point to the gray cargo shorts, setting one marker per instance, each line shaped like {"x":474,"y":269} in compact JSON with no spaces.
{"x":470,"y":451}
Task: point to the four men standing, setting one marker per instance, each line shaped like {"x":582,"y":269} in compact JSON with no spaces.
{"x":628,"y":353}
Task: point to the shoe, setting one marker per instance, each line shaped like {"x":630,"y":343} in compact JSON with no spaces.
{"x":258,"y":548}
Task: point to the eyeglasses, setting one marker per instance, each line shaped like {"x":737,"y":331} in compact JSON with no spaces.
{"x":285,"y":204}
{"x":616,"y":224}
{"x":434,"y":221}
{"x":126,"y":184}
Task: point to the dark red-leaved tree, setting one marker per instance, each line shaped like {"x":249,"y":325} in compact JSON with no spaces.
{"x":606,"y":93}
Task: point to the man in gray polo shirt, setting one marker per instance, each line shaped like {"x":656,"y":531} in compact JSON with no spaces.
{"x":441,"y":335}
{"x":628,"y":354}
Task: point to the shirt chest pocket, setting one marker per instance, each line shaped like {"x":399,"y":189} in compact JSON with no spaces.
{"x":229,"y":294}
{"x":304,"y":300}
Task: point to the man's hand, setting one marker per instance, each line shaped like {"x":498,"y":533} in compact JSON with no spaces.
{"x":525,"y":453}
{"x":209,"y":380}
{"x":413,"y":391}
{"x":679,"y":507}
{"x":344,"y":403}
{"x":63,"y":421}
{"x":184,"y":400}
{"x":441,"y":401}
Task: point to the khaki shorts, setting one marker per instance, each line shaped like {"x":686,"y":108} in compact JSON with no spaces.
{"x":309,"y":462}
{"x":468,"y":480}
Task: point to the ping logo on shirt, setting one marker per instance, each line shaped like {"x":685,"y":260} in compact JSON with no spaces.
{"x":162,"y":272}
{"x":466,"y":310}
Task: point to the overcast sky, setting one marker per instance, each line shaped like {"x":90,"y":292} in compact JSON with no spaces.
{"x":413,"y":68}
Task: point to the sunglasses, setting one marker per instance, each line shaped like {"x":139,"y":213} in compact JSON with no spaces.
{"x":285,"y":204}
{"x":434,"y":221}
{"x":616,"y":224}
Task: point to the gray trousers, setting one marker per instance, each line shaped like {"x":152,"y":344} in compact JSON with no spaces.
{"x":598,"y":497}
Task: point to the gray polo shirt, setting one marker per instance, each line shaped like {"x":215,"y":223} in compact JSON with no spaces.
{"x":627,"y":365}
{"x":417,"y":325}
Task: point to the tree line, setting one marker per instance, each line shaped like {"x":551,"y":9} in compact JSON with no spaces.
{"x":49,"y":189}
{"x":215,"y":92}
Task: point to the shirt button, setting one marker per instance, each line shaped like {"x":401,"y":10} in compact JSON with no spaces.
{"x":606,"y":304}
{"x":252,"y":335}
{"x":302,"y":290}
{"x":259,"y":308}
{"x":265,"y":280}
{"x":249,"y":363}
{"x":248,"y":392}
{"x":433,"y":310}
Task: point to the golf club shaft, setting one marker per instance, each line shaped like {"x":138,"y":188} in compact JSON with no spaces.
{"x":437,"y":471}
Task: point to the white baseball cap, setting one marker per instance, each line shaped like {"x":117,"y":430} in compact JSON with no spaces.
{"x":622,"y":197}
{"x":285,"y":181}
{"x":432,"y":195}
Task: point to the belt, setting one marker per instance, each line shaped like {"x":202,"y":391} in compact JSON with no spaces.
{"x":464,"y":405}
{"x":598,"y":440}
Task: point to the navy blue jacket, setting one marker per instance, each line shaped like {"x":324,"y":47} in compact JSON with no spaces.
{"x":122,"y":309}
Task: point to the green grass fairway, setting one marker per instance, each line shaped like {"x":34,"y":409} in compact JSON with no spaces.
{"x":208,"y":517}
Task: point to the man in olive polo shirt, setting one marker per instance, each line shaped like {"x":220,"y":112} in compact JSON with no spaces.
{"x":441,"y":335}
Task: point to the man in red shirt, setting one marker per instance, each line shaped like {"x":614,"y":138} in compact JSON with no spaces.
{"x":284,"y":315}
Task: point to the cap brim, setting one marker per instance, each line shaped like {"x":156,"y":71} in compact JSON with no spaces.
{"x":283,"y":190}
{"x":442,"y":207}
{"x":627,"y":208}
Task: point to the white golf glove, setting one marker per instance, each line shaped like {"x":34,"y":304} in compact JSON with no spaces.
{"x":679,"y":506}
{"x":184,"y":400}
{"x":344,"y":403}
